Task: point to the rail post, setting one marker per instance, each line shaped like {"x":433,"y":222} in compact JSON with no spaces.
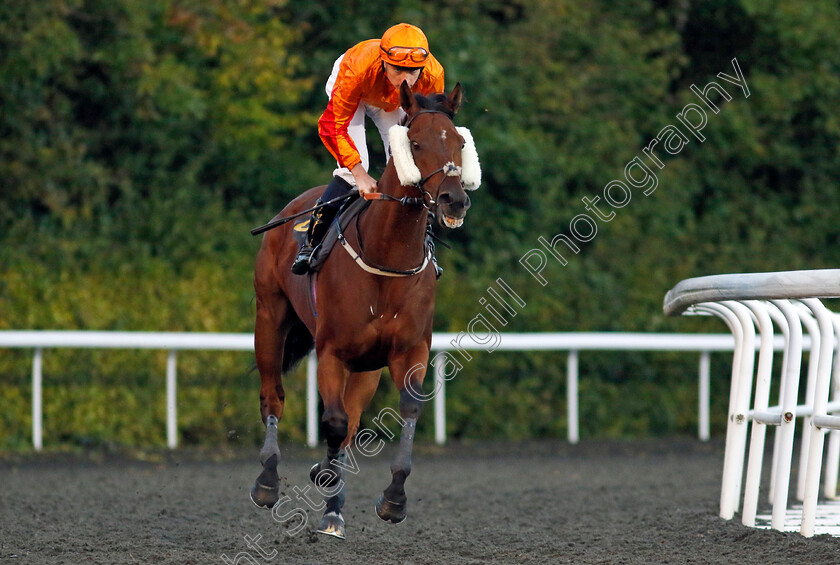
{"x":440,"y":405}
{"x":572,"y":396}
{"x":171,"y":400}
{"x":704,"y":384}
{"x":312,"y":400}
{"x":37,"y":398}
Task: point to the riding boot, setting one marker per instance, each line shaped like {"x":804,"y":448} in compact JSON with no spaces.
{"x":319,"y":223}
{"x":430,"y":244}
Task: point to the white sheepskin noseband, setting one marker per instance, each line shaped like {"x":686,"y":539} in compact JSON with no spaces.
{"x":407,"y":170}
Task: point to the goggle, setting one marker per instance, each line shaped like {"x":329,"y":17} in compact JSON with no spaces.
{"x":400,"y":54}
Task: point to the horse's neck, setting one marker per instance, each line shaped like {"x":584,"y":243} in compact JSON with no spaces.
{"x":392,"y":234}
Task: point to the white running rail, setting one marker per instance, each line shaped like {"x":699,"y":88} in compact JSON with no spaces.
{"x":755,"y":301}
{"x":572,"y":342}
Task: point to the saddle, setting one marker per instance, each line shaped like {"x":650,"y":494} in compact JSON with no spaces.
{"x":348,"y":211}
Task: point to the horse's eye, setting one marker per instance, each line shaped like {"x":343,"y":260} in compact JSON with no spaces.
{"x":415,"y":146}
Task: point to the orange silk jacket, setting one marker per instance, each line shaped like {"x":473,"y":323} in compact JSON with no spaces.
{"x":361,"y":78}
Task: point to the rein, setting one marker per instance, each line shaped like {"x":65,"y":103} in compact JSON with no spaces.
{"x":426,"y":200}
{"x":366,"y":264}
{"x":404,"y":201}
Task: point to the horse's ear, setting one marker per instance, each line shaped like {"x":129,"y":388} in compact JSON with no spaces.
{"x":407,"y":100}
{"x":456,"y":97}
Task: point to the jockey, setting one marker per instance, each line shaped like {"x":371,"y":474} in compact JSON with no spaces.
{"x":365,"y":81}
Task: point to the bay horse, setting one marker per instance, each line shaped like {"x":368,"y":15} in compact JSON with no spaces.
{"x":365,"y":309}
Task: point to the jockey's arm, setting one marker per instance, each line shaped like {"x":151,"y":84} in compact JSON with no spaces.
{"x":364,"y":182}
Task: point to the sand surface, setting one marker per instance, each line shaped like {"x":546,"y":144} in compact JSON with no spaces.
{"x":637,"y":502}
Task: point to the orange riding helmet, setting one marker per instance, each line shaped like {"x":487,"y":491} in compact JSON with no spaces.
{"x":404,"y":45}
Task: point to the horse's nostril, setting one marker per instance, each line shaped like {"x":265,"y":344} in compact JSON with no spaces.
{"x":454,"y":203}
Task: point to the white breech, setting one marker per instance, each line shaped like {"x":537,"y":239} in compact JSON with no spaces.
{"x":356,"y":129}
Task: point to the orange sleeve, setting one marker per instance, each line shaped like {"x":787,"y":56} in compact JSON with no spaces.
{"x":357,"y":77}
{"x":333,"y":123}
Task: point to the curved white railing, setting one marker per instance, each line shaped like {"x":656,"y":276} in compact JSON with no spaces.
{"x":750,"y":301}
{"x":820,"y":283}
{"x":572,"y":342}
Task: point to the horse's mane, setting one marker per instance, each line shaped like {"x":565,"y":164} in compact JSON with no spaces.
{"x":437,"y":102}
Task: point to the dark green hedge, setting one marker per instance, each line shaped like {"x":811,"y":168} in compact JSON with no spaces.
{"x":140,"y":141}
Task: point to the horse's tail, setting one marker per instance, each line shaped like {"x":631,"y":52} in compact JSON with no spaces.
{"x":299,"y":343}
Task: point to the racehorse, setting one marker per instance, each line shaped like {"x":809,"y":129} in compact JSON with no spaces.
{"x":365,"y":309}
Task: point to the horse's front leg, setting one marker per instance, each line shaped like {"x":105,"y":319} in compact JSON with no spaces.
{"x":408,"y":373}
{"x":327,"y":475}
{"x":358,"y":391}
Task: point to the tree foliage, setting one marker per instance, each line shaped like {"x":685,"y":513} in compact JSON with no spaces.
{"x":139,"y":141}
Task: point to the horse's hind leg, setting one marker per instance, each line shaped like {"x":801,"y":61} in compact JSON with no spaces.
{"x":408,"y":373}
{"x":358,"y":392}
{"x":270,"y":332}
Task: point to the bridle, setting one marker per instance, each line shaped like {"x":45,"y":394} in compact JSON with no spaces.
{"x":426,"y":200}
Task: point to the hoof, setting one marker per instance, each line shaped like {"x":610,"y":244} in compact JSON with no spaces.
{"x":390,"y":511}
{"x":332,"y":524}
{"x":266,"y":490}
{"x":264,"y":496}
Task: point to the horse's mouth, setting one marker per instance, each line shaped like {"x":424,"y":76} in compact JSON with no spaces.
{"x":450,"y":222}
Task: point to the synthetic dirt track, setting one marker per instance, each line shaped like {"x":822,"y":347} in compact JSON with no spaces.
{"x":637,"y":502}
